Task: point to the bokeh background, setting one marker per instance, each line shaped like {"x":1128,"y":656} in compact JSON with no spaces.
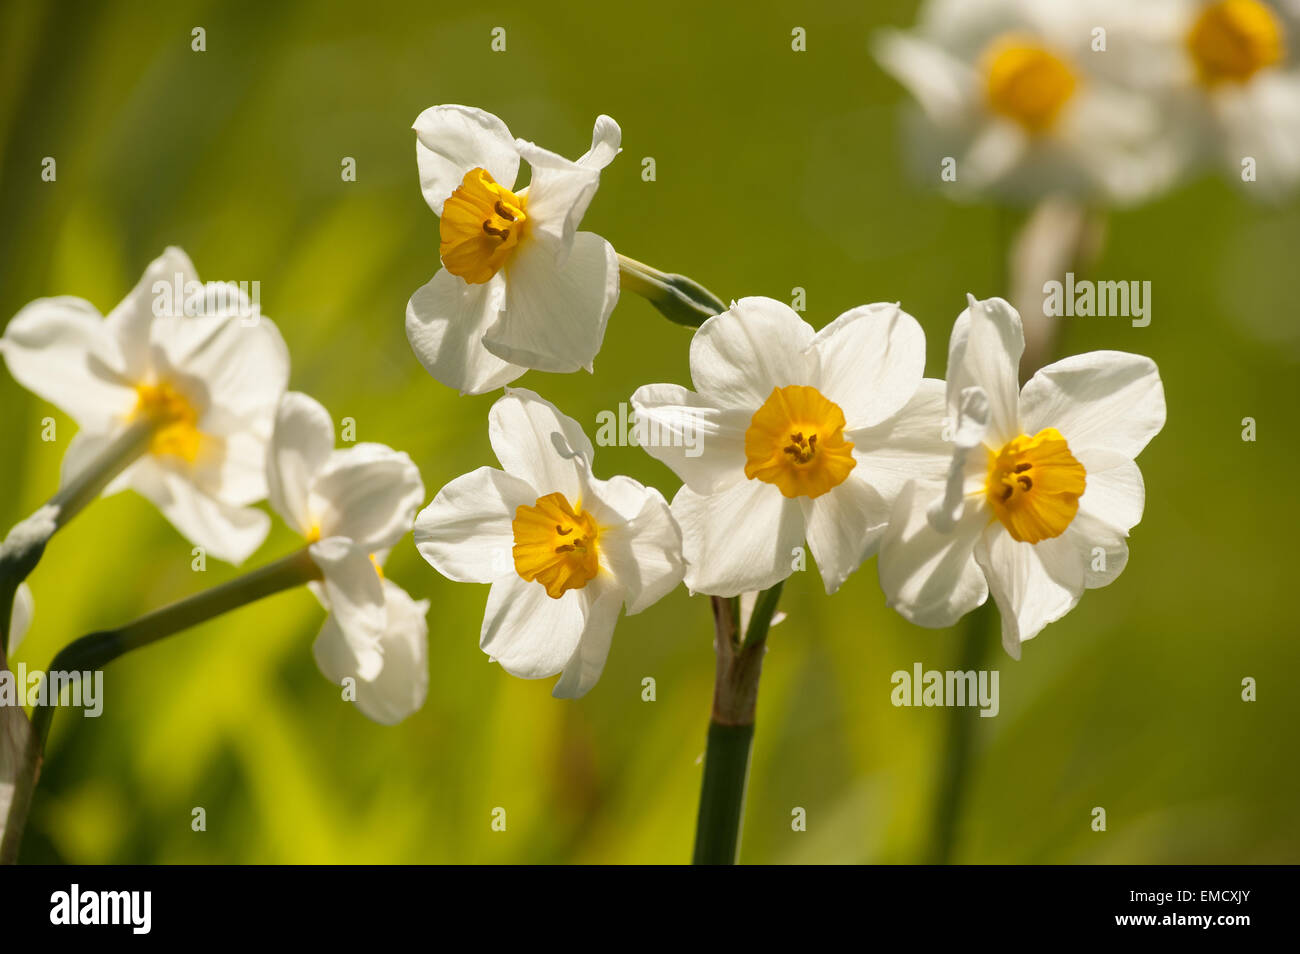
{"x":775,"y":169}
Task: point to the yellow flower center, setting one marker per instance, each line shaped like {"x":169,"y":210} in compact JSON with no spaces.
{"x":481,"y":225}
{"x":1233,"y":40}
{"x":796,"y":441}
{"x":1034,"y":485}
{"x":1026,"y":82}
{"x":374,"y":561}
{"x":555,"y":544}
{"x":177,"y":433}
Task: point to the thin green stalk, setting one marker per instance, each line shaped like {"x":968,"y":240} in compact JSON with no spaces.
{"x":26,"y":542}
{"x":977,"y":640}
{"x":731,"y":728}
{"x":681,"y":300}
{"x":93,"y":652}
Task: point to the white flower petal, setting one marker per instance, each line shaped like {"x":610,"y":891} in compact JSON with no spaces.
{"x":241,"y":368}
{"x":233,"y":468}
{"x":1102,"y":549}
{"x":354,"y":595}
{"x":556,"y":309}
{"x":558,"y":194}
{"x":987,"y":341}
{"x":931,"y":578}
{"x":704,"y":445}
{"x":739,"y":356}
{"x":300,"y":445}
{"x":401,"y":686}
{"x":20,"y":619}
{"x":1033,"y":583}
{"x":844,"y":527}
{"x":606,"y":143}
{"x":940,"y":82}
{"x":467,"y":533}
{"x":871,"y":362}
{"x":531,"y":635}
{"x":57,"y":348}
{"x":539,"y":445}
{"x":368,"y":493}
{"x":968,"y":457}
{"x":452,"y":140}
{"x":225,"y":531}
{"x":641,"y":545}
{"x":1113,"y":488}
{"x":588,"y":661}
{"x":1104,"y":400}
{"x":906,"y":446}
{"x":162,"y":289}
{"x":739,"y":539}
{"x":446,"y":320}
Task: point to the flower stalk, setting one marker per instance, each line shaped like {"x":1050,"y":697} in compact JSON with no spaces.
{"x":731,"y":728}
{"x":96,"y":650}
{"x":26,"y":542}
{"x":681,"y":300}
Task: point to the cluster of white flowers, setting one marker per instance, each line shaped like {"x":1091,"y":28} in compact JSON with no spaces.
{"x":1110,"y":100}
{"x":833,"y":438}
{"x":208,"y":373}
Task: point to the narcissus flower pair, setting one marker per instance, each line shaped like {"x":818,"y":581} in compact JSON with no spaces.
{"x":520,"y":286}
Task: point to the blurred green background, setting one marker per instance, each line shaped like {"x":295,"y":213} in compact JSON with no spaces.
{"x":775,"y":169}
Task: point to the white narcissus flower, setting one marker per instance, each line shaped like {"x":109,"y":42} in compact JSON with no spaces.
{"x":352,"y":505}
{"x":1042,"y":489}
{"x":1018,"y":94}
{"x":208,"y":368}
{"x":520,"y":286}
{"x":562,"y":549}
{"x":792,"y":434}
{"x":1227,"y":72}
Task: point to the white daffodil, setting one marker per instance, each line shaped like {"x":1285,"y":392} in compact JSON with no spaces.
{"x":520,"y":286}
{"x":1018,"y":93}
{"x":1227,"y":74}
{"x":562,"y":549}
{"x":352,"y":505}
{"x":1042,"y":489}
{"x":20,"y":620}
{"x":792,"y":434}
{"x":203,"y":365}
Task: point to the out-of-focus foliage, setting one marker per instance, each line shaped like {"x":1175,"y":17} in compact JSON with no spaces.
{"x":775,"y":169}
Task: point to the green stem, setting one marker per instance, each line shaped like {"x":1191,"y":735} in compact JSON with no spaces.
{"x":26,"y":542}
{"x":976,"y":642}
{"x":679,"y":299}
{"x":93,"y":652}
{"x":731,"y":728}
